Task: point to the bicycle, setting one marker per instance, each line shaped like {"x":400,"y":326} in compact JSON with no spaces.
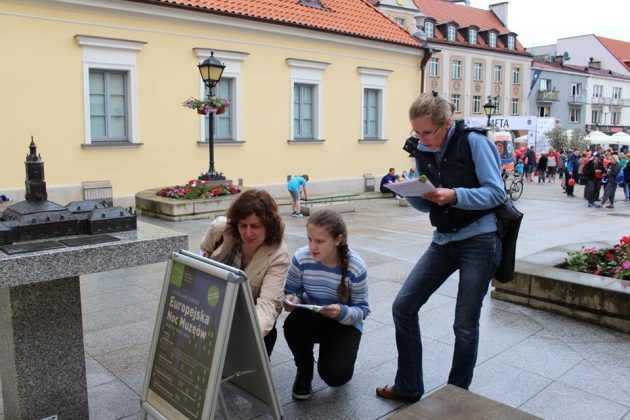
{"x":515,"y":190}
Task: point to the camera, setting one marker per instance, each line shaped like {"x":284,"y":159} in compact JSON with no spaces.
{"x":411,"y":146}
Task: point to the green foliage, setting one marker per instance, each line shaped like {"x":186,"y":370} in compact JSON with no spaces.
{"x":609,"y":262}
{"x":578,"y":140}
{"x":558,"y":138}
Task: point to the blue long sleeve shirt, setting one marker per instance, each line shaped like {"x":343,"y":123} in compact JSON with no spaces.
{"x":489,"y":194}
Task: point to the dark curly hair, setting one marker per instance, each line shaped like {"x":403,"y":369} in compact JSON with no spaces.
{"x":260,"y":203}
{"x":334,"y":224}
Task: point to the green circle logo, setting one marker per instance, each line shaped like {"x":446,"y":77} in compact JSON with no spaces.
{"x":213,"y":295}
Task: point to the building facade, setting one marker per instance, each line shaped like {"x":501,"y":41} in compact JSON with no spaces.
{"x":315,"y":87}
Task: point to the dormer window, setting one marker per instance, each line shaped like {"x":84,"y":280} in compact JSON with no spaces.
{"x":492,"y":39}
{"x":451,"y":33}
{"x":510,"y":42}
{"x":472,"y":36}
{"x":429,"y":29}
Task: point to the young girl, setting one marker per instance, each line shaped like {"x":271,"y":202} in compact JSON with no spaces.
{"x":328,"y":274}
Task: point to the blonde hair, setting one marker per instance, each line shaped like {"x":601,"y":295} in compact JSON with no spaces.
{"x":614,"y":158}
{"x":438,"y":109}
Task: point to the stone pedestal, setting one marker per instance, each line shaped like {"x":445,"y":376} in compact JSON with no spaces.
{"x":42,"y":360}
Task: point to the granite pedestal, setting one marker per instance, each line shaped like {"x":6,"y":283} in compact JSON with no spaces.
{"x":42,"y":360}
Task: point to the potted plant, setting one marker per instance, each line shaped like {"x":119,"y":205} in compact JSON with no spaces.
{"x":197,"y":189}
{"x":609,"y":262}
{"x":212,"y":105}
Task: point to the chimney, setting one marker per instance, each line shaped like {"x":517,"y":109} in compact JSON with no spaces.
{"x":500,"y":10}
{"x":595,"y":65}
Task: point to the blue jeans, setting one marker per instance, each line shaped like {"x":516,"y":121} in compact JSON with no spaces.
{"x":477,"y":259}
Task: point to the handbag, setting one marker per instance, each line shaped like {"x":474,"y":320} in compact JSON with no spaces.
{"x":509,"y":220}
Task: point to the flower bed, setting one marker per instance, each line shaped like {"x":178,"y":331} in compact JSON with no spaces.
{"x":196,"y":189}
{"x":609,"y":262}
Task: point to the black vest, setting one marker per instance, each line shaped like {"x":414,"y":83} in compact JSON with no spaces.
{"x":456,"y":169}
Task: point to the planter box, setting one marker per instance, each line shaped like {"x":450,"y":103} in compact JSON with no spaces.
{"x":539,"y":283}
{"x":148,"y":203}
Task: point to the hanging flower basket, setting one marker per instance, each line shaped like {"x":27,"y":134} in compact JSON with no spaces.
{"x":213,"y":105}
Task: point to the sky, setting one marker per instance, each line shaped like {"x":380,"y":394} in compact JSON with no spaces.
{"x":542,"y":22}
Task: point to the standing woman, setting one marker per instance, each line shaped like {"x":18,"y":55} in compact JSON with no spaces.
{"x":250,"y":238}
{"x":329,"y":274}
{"x":465,"y":168}
{"x":609,"y":191}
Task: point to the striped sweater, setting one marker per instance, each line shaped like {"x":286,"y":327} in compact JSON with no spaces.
{"x":316,"y":284}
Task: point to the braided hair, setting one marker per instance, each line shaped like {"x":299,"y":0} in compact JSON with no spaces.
{"x":334,"y":224}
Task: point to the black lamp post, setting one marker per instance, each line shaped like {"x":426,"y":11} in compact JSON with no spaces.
{"x":211,"y":70}
{"x":490,"y":107}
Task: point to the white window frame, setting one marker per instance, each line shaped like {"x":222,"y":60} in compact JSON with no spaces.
{"x":472,"y":36}
{"x":233,"y":62}
{"x":374,"y":79}
{"x":576,"y":89}
{"x":497,"y":73}
{"x":615,"y":118}
{"x":515,"y":106}
{"x":401,"y":21}
{"x":476,"y":105}
{"x":511,"y":43}
{"x":616,"y":93}
{"x":544,"y":85}
{"x":492,"y":39}
{"x":451,"y":33}
{"x":516,"y":76}
{"x":456,"y":69}
{"x":456,"y":98}
{"x":574,"y":115}
{"x":311,"y":73}
{"x":115,"y":55}
{"x":596,"y":116}
{"x":434,"y":67}
{"x":598,"y":91}
{"x":429,"y":29}
{"x":478,"y":72}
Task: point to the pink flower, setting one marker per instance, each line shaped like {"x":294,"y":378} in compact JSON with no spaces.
{"x":626,"y":265}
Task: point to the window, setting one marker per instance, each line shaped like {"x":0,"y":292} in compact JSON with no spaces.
{"x":477,"y":72}
{"x":457,"y":69}
{"x":451,"y":33}
{"x":303,"y":111}
{"x":515,"y":106}
{"x":306,"y":80}
{"x":544,"y":111}
{"x":227,"y":126}
{"x":544,"y":85}
{"x":456,"y":98}
{"x":595,"y":116}
{"x":371,"y":113}
{"x":492,"y":39}
{"x":374,"y":84}
{"x":429,"y":29}
{"x":616,"y":93}
{"x":108,"y":106}
{"x":615,"y":118}
{"x":476,"y":105}
{"x":434,"y":69}
{"x":574,"y":115}
{"x":472,"y":36}
{"x":496,"y":78}
{"x":497,"y":103}
{"x":510,"y":42}
{"x":576,"y":89}
{"x":516,"y":76}
{"x":222,"y":122}
{"x":401,"y":21}
{"x":598,"y":91}
{"x":110,"y":100}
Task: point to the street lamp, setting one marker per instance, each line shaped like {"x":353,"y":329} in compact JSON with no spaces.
{"x":490,"y":107}
{"x":211,"y":70}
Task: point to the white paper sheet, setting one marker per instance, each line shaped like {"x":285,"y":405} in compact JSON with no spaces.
{"x":412,"y":188}
{"x":314,"y":308}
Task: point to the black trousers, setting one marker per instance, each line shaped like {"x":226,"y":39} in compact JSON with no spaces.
{"x":338,"y":345}
{"x":270,"y":340}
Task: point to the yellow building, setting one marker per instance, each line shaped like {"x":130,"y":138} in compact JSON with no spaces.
{"x":316,"y":86}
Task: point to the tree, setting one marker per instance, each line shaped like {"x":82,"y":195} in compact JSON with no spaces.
{"x":558,"y":138}
{"x":578,"y":140}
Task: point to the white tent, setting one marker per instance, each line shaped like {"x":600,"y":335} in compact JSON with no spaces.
{"x":597,"y":137}
{"x":620,"y":138}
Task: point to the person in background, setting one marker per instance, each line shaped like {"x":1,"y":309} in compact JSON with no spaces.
{"x":389,"y":178}
{"x":530,"y":163}
{"x":466,"y":168}
{"x":250,"y":238}
{"x":411,"y":174}
{"x":541,"y":167}
{"x":552,"y":165}
{"x":626,"y":177}
{"x":609,"y":191}
{"x":296,"y":187}
{"x":593,"y":171}
{"x":329,"y":274}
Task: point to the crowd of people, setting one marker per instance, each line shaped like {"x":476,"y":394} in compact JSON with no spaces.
{"x":600,"y":171}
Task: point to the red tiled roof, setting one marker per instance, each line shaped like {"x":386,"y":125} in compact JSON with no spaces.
{"x":443,"y":11}
{"x":356,"y":18}
{"x":579,"y":69}
{"x":620,"y":49}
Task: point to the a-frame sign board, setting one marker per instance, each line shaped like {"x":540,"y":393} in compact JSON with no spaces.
{"x":206,"y":336}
